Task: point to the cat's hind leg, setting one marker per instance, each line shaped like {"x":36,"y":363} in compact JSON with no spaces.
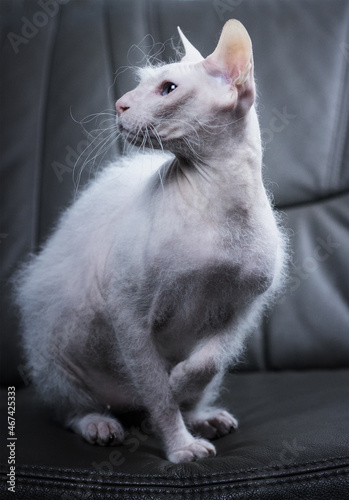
{"x":98,"y":428}
{"x":78,"y":409}
{"x":61,"y":386}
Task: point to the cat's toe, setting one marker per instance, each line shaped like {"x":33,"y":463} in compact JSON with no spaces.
{"x":198,"y":449}
{"x":106,"y":432}
{"x":224,"y":422}
{"x":216,"y":425}
{"x":99,"y":429}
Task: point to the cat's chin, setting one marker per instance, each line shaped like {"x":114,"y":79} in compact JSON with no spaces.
{"x":141,"y":137}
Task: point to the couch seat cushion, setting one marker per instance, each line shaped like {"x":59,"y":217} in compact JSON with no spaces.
{"x":293,"y":436}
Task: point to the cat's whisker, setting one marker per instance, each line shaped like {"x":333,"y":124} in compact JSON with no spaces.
{"x":106,"y":125}
{"x":145,"y":139}
{"x":195,"y":153}
{"x":185,"y":122}
{"x":94,"y":117}
{"x":113,"y":141}
{"x":202,"y":172}
{"x":97,"y":138}
{"x":150,"y":138}
{"x":184,"y":174}
{"x":119,"y":72}
{"x":143,"y":134}
{"x":132,"y":144}
{"x":220,"y":127}
{"x":157,"y":136}
{"x":125,"y":145}
{"x":138,"y":47}
{"x":161,"y":180}
{"x":128,"y":142}
{"x":138,"y":141}
{"x":147,"y":58}
{"x":101,"y":147}
{"x":105,"y":147}
{"x":162,"y":149}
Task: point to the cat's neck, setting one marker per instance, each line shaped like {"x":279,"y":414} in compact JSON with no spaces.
{"x":227,"y":167}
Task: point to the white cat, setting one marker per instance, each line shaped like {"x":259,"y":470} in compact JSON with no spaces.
{"x":144,"y":294}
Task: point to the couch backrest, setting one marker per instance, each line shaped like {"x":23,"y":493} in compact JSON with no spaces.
{"x":65,"y":60}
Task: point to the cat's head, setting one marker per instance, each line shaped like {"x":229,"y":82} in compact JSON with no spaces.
{"x":181,"y":106}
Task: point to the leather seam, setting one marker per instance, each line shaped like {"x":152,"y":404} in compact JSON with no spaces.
{"x":55,"y":474}
{"x":208,"y":488}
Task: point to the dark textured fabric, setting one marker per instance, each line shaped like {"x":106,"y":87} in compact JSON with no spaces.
{"x":292,"y":440}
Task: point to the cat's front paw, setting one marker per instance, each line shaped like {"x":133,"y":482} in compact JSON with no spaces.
{"x":216,"y":424}
{"x":199,"y":448}
{"x":99,"y":429}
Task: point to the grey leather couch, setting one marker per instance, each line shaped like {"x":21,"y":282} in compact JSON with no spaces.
{"x":64,"y":61}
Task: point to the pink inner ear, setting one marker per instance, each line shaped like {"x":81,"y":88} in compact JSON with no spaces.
{"x":233,"y":54}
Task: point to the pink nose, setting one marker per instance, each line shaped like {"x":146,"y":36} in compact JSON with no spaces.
{"x":121,"y":106}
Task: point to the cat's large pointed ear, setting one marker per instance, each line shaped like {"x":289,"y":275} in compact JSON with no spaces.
{"x":233,"y":58}
{"x":191,"y":53}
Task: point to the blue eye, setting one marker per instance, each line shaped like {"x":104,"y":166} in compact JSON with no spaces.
{"x":168,"y":87}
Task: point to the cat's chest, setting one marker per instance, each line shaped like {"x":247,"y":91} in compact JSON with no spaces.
{"x":209,"y":269}
{"x":192,"y":238}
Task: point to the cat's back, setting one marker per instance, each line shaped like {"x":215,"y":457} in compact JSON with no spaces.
{"x":74,"y":255}
{"x":115,"y":188}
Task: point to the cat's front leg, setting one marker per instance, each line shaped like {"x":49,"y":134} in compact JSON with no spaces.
{"x":190,"y":377}
{"x":195,"y":384}
{"x":180,"y":444}
{"x":146,"y":371}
